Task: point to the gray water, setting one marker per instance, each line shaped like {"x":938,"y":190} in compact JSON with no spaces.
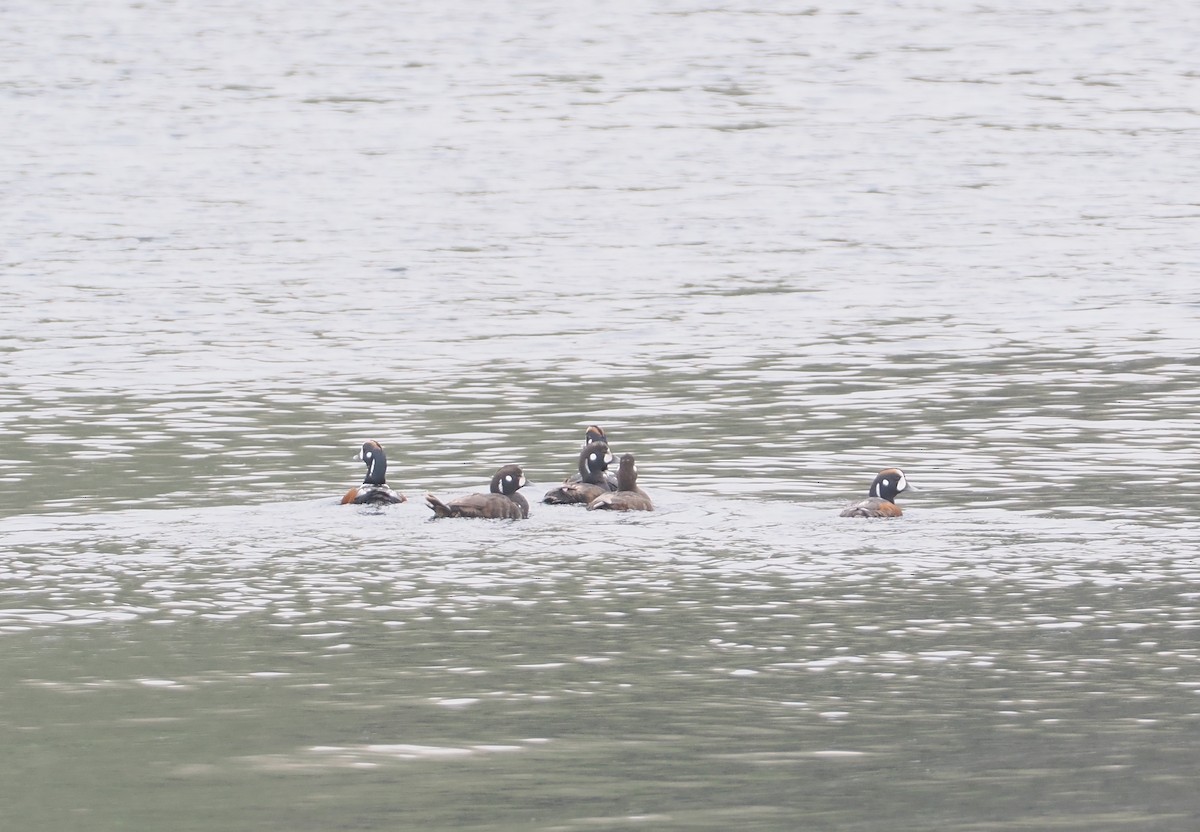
{"x":770,"y":250}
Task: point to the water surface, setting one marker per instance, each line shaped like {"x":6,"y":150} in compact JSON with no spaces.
{"x":770,"y":251}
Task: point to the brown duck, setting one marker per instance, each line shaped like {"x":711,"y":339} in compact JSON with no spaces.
{"x":627,"y":497}
{"x":502,"y":503}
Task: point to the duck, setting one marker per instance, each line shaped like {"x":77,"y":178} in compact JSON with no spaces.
{"x":627,"y":497}
{"x":374,"y":489}
{"x":882,"y":499}
{"x":595,"y":433}
{"x":502,"y":503}
{"x":592,"y":480}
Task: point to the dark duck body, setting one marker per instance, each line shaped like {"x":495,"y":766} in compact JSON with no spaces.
{"x":374,"y":489}
{"x":882,"y":500}
{"x":592,"y":480}
{"x":595,"y":433}
{"x":502,"y":503}
{"x":627,"y":497}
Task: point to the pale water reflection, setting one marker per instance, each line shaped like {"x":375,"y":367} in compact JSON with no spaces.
{"x":771,"y":251}
{"x":717,"y":660}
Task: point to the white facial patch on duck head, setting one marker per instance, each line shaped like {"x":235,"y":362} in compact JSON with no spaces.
{"x":901,"y":484}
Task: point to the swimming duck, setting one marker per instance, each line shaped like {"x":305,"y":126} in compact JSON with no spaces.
{"x":627,"y":497}
{"x":374,"y":489}
{"x":594,"y":433}
{"x":502,"y":503}
{"x":882,"y":500}
{"x":592,"y":480}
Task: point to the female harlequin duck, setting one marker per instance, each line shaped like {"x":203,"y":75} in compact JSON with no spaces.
{"x":374,"y":490}
{"x":502,"y":503}
{"x":592,"y":480}
{"x":627,"y":497}
{"x":882,"y":502}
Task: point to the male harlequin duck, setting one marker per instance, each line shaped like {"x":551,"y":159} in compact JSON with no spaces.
{"x":627,"y":497}
{"x":592,"y":480}
{"x":882,"y":502}
{"x":374,"y":490}
{"x":594,"y":433}
{"x":502,"y":503}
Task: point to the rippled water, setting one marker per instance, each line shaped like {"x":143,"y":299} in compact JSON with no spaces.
{"x":770,"y":251}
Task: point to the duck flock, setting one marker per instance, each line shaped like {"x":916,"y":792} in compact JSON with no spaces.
{"x":593,"y":486}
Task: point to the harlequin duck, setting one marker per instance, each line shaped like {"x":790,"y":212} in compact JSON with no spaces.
{"x":374,"y":490}
{"x":502,"y":503}
{"x":592,"y":480}
{"x":594,"y":433}
{"x":628,"y":497}
{"x":882,"y":502}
